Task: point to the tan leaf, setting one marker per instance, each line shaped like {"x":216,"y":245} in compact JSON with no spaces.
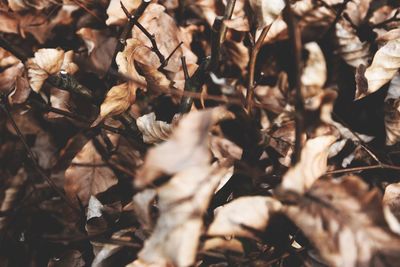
{"x":314,"y":73}
{"x":237,"y":217}
{"x":344,"y":221}
{"x":46,"y":62}
{"x":351,"y":49}
{"x":266,"y":11}
{"x":118,"y":100}
{"x":187,"y":146}
{"x":153,"y":131}
{"x":116,"y":15}
{"x":13,"y":79}
{"x":88,"y":175}
{"x":383,"y":68}
{"x":182,"y":203}
{"x":391,"y":201}
{"x":392,"y":112}
{"x":21,"y":5}
{"x":100,"y":49}
{"x":59,"y":99}
{"x":142,"y":207}
{"x":312,"y":165}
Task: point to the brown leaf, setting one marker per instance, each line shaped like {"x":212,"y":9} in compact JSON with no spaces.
{"x":13,"y":79}
{"x":88,"y":175}
{"x":351,"y":48}
{"x":100,"y":49}
{"x":153,"y":131}
{"x":49,"y":61}
{"x":383,"y":68}
{"x":118,"y":100}
{"x":182,"y":203}
{"x":314,"y":73}
{"x":116,"y":15}
{"x":266,"y":11}
{"x":392,"y":112}
{"x":187,"y":147}
{"x":237,"y":217}
{"x":344,"y":221}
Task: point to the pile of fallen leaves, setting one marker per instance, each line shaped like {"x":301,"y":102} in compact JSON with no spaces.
{"x":199,"y":133}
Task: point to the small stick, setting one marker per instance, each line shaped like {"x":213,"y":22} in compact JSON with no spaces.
{"x":295,"y":39}
{"x":165,"y":62}
{"x":252,"y":65}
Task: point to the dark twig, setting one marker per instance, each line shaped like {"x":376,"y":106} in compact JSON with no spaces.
{"x":68,"y":82}
{"x":165,"y":62}
{"x":252,"y":65}
{"x":219,"y":30}
{"x":31,"y":156}
{"x":194,"y":84}
{"x":295,"y":39}
{"x":394,"y":18}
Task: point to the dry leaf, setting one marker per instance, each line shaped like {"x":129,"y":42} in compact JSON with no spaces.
{"x":182,"y":203}
{"x":116,"y":15}
{"x":266,"y":11}
{"x":314,"y":73}
{"x":142,"y":207}
{"x":351,"y":49}
{"x":88,"y":175}
{"x":153,"y":131}
{"x":312,"y":165}
{"x":118,"y":100}
{"x":49,"y":61}
{"x":100,"y":49}
{"x":237,"y":217}
{"x":392,"y":112}
{"x":344,"y":221}
{"x":383,"y":68}
{"x":187,"y":147}
{"x":13,"y":80}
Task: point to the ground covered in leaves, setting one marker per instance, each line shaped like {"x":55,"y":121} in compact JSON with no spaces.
{"x":199,"y":133}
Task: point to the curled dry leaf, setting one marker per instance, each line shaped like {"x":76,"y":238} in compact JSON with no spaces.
{"x":312,"y":164}
{"x":237,"y":217}
{"x":153,"y":131}
{"x":88,"y":175}
{"x":383,"y":68}
{"x":187,"y":147}
{"x":59,"y":99}
{"x":13,"y":80}
{"x":118,"y":100}
{"x":344,"y":221}
{"x":266,"y":11}
{"x":182,"y":203}
{"x":353,"y":51}
{"x":21,"y":5}
{"x":46,"y":62}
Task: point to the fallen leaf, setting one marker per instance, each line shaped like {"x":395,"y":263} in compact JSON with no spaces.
{"x":116,"y":15}
{"x":153,"y":131}
{"x":182,"y":203}
{"x":237,"y":217}
{"x":314,"y":73}
{"x":46,"y":62}
{"x":187,"y":146}
{"x":383,"y":68}
{"x":344,"y":221}
{"x":265,"y":11}
{"x":118,"y":100}
{"x":88,"y":175}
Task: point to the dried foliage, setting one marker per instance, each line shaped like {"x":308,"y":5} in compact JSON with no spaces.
{"x":200,"y":133}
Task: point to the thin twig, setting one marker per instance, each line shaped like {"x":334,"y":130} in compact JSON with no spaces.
{"x":165,"y":62}
{"x":295,"y":39}
{"x":252,"y":64}
{"x":31,"y":156}
{"x":364,"y":168}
